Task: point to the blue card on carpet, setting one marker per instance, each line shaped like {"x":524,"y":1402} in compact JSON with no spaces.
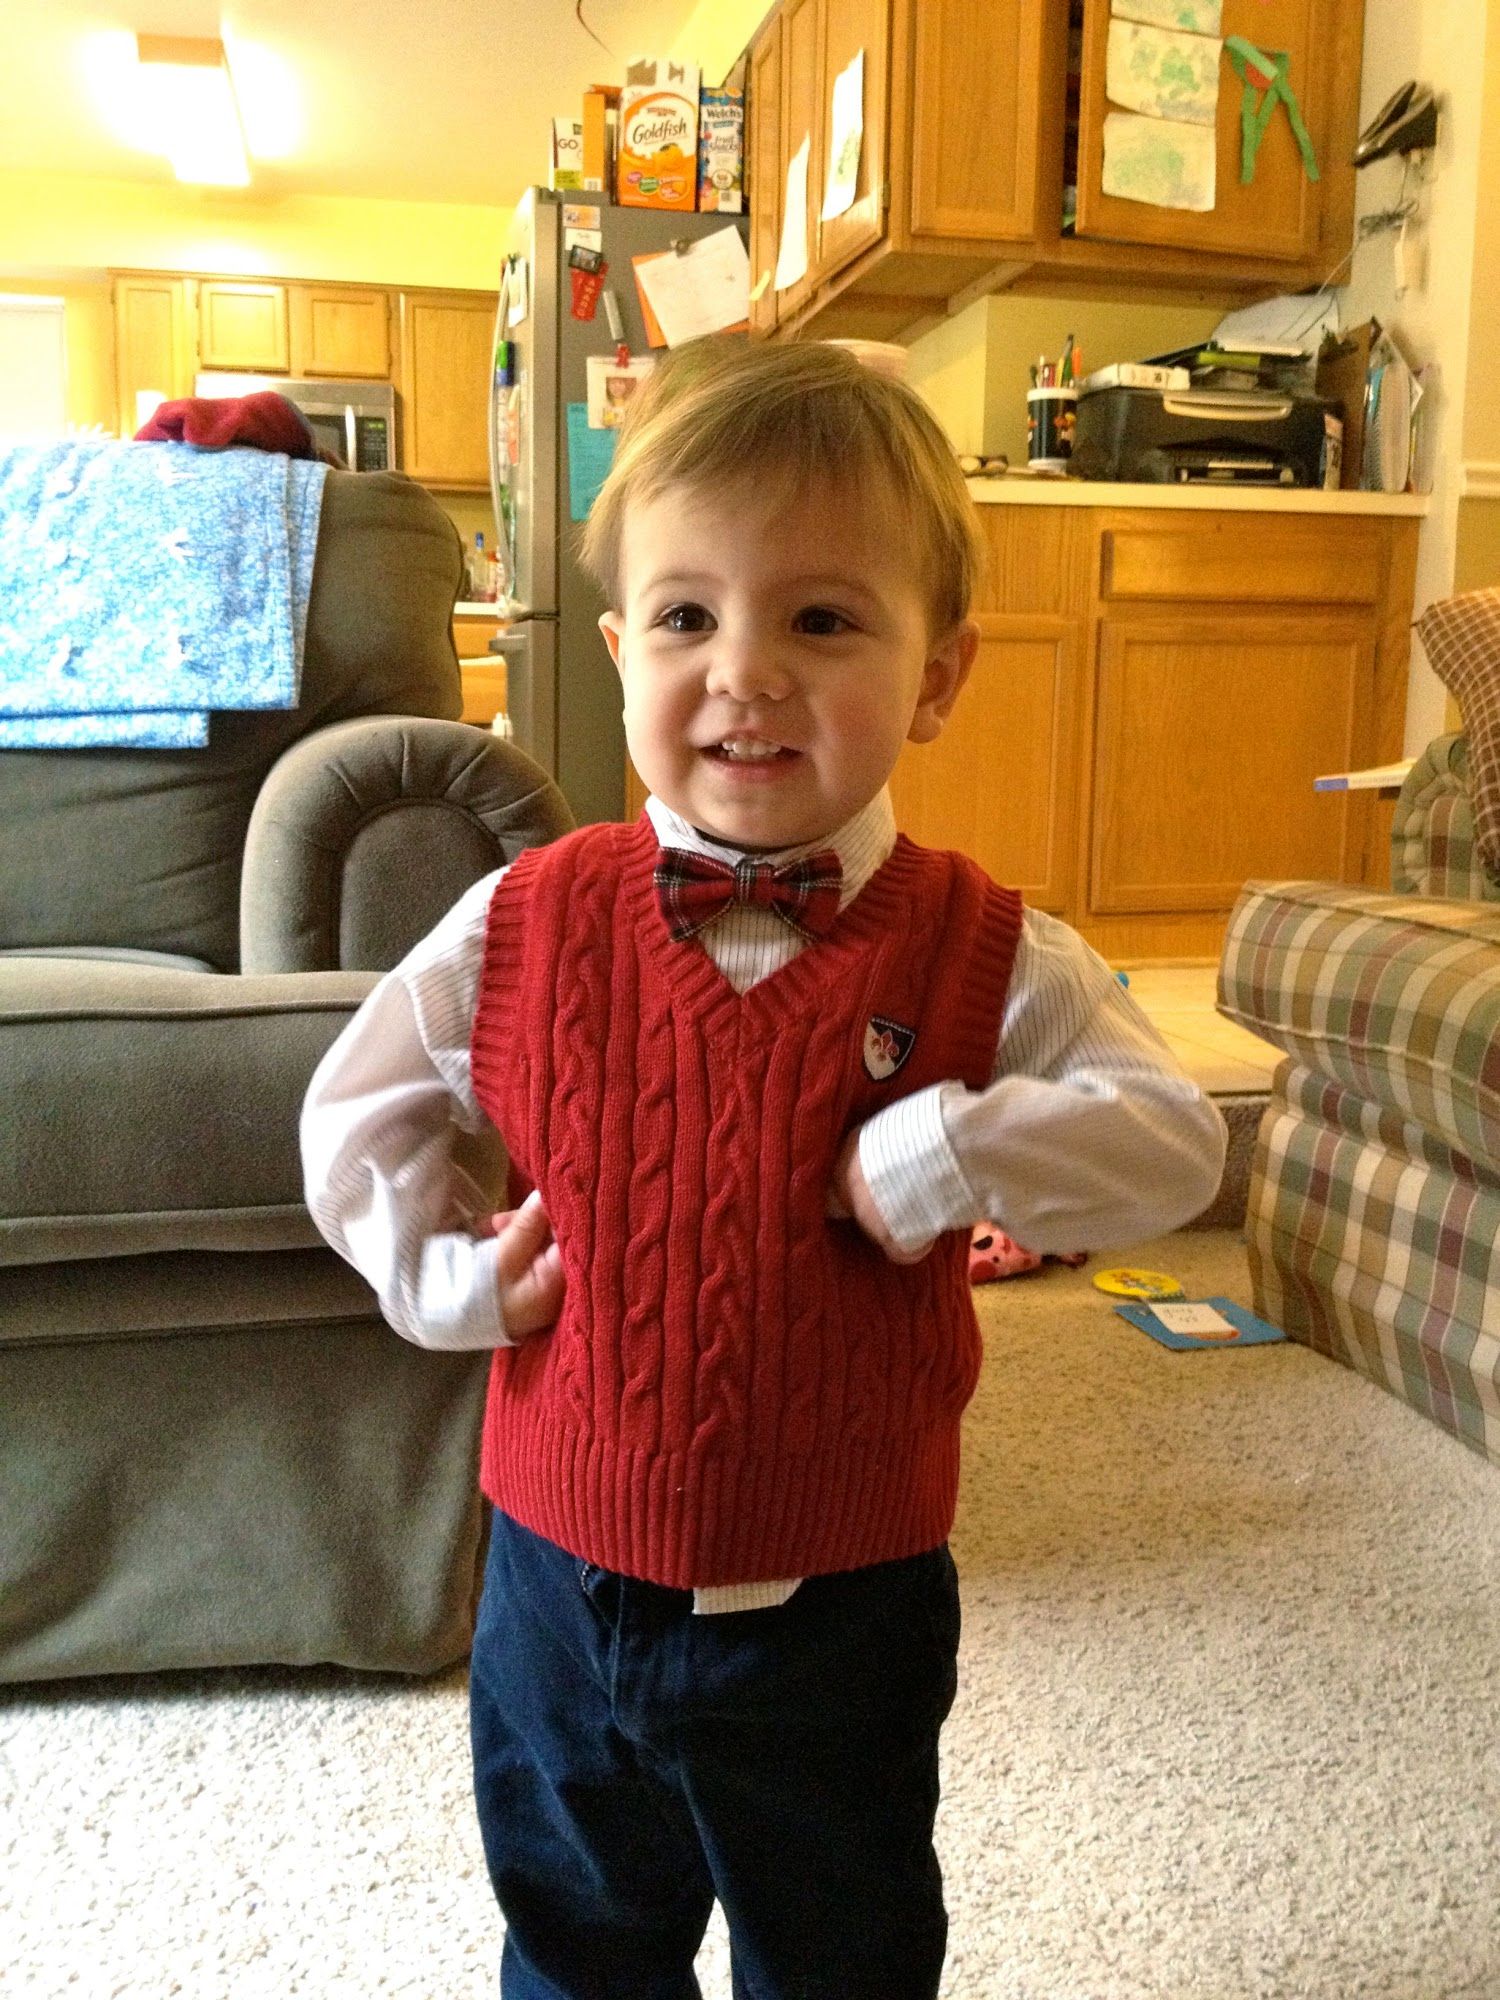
{"x":1201,"y":1323}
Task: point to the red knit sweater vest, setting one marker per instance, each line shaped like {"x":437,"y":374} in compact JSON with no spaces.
{"x":738,"y":1386}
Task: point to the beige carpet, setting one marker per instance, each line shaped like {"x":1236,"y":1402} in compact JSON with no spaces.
{"x":1226,"y":1728}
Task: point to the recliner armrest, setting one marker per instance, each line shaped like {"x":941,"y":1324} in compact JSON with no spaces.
{"x":156,"y":1109}
{"x":367,"y":832}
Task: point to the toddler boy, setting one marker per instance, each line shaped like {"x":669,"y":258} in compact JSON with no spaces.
{"x":759,"y":1063}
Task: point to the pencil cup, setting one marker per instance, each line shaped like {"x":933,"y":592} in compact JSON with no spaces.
{"x":1050,"y":415}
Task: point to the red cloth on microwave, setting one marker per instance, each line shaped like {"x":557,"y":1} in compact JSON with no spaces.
{"x":264,"y":419}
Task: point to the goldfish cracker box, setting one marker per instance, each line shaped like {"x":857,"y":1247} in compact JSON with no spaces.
{"x":657,"y":162}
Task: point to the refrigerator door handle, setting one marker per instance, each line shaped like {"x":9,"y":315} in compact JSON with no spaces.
{"x":517,"y":614}
{"x":492,"y":428}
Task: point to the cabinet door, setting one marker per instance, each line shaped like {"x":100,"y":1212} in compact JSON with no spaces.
{"x":482,"y":673}
{"x":1275,"y":215}
{"x":445,"y":376}
{"x":976,"y":91}
{"x":340,"y":331}
{"x":243,"y":326}
{"x":999,"y":783}
{"x":767,"y":173}
{"x":801,"y":119}
{"x":1208,"y":733}
{"x":851,"y":28}
{"x":154,"y":351}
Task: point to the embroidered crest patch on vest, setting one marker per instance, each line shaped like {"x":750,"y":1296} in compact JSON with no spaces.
{"x":887,"y":1045}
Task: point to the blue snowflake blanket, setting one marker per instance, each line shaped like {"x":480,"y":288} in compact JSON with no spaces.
{"x":142,"y":585}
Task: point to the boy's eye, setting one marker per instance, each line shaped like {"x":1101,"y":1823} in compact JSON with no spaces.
{"x":821,"y":620}
{"x":685,"y":618}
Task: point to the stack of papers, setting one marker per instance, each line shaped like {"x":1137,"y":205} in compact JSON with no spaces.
{"x":702,"y":288}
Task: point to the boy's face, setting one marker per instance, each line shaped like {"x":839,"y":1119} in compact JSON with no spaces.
{"x":775,"y":656}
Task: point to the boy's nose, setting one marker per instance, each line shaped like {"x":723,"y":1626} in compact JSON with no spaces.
{"x":747,"y":669}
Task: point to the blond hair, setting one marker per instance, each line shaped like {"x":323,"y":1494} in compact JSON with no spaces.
{"x":723,"y":412}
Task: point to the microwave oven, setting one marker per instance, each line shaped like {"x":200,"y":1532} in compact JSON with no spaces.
{"x":357,"y":420}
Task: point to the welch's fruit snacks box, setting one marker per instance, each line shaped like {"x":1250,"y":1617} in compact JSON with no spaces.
{"x":656,"y":165}
{"x":721,"y":151}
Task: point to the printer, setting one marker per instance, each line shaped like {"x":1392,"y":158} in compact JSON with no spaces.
{"x":1207,"y":437}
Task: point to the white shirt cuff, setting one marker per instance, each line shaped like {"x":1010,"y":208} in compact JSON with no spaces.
{"x":458,"y":1302}
{"x":912,"y":1171}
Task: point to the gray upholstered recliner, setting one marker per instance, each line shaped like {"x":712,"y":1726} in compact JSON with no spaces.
{"x":212,"y":1449}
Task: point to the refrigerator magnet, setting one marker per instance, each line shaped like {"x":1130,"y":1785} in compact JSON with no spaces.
{"x":611,"y":384}
{"x":585,"y":287}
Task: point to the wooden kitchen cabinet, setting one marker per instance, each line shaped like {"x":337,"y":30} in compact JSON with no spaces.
{"x":1208,"y":732}
{"x":155,"y":343}
{"x":1023,"y":691}
{"x":963,"y":163}
{"x":802,"y":92}
{"x":340,"y":331}
{"x":1155,"y":692}
{"x":169,"y":325}
{"x":976,"y":76}
{"x":1001,"y":782}
{"x":767,"y":174}
{"x":793,"y":65}
{"x":233,"y":324}
{"x":846,"y":29}
{"x":447,"y":341}
{"x":481,"y":671}
{"x":952,"y":112}
{"x":242,"y":325}
{"x":1280,"y":213}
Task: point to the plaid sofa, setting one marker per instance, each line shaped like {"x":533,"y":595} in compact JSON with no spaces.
{"x":1374,"y":1212}
{"x":1433,"y":847}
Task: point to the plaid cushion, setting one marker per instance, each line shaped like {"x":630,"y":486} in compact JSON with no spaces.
{"x":1433,"y":852}
{"x":1395,"y":997}
{"x":1461,"y":637}
{"x":1376,"y":1244}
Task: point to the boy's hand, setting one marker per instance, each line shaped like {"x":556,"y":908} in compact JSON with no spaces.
{"x":529,"y":1270}
{"x":849,"y":1195}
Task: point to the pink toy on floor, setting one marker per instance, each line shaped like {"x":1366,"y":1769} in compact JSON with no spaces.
{"x":993,"y":1254}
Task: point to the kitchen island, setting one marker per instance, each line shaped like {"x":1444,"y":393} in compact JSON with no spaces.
{"x":1162,"y":673}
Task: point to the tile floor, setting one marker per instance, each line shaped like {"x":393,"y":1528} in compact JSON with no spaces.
{"x":1220,"y":1056}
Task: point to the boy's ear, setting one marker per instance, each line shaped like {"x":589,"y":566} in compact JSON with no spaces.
{"x":612,"y":625}
{"x":942,"y":680}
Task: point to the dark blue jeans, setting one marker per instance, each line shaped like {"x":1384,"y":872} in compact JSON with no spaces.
{"x":633,"y":1761}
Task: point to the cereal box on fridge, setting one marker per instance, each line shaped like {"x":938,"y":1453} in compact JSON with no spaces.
{"x":567,"y":154}
{"x":657,"y":162}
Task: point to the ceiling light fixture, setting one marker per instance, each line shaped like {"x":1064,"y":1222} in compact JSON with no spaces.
{"x":190,"y":104}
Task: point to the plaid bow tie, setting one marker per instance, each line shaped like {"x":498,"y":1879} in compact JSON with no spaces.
{"x":693,"y":890}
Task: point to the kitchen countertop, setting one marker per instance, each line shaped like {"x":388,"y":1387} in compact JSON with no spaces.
{"x":1019,"y":491}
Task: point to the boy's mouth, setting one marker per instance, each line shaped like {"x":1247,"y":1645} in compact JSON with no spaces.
{"x":748,"y":750}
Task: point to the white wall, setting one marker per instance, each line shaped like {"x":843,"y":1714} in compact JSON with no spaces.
{"x":1442,"y":43}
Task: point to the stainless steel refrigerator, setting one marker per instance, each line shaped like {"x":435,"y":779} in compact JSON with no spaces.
{"x":563,"y":694}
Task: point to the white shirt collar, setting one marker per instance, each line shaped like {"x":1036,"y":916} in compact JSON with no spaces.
{"x":862,"y":843}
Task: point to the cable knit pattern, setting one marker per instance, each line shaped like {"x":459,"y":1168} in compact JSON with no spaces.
{"x":737,"y":1387}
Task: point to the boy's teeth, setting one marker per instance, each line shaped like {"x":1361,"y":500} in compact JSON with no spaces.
{"x":734,"y":746}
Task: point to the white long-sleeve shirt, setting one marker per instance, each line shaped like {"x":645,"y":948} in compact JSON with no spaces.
{"x":1089,"y":1134}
